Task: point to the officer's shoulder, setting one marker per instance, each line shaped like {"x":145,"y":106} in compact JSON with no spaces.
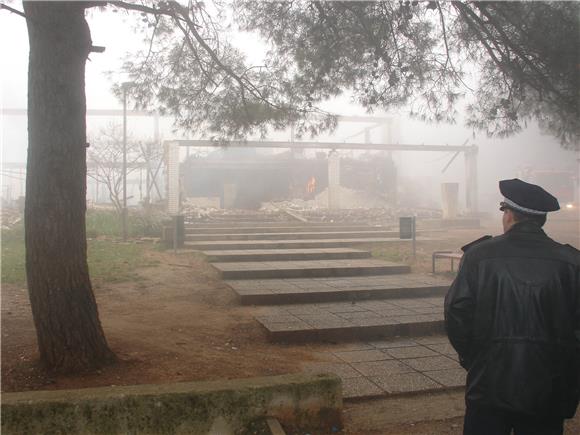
{"x":573,"y":251}
{"x":470,"y":245}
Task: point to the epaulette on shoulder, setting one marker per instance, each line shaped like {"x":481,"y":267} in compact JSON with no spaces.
{"x":475,"y":242}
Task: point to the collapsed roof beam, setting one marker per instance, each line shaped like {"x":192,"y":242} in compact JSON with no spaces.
{"x":323,"y":145}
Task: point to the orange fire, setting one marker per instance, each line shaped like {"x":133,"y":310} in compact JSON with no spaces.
{"x":311,"y":185}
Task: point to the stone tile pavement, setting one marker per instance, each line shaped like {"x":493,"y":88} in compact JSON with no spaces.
{"x":354,"y":283}
{"x":389,"y":367}
{"x":345,"y":320}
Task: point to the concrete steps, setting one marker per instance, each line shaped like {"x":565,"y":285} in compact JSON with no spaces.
{"x":313,"y":290}
{"x":347,"y":321}
{"x":289,"y":244}
{"x":292,"y":236}
{"x":308,"y":269}
{"x":195,"y":230}
{"x":284,"y":254}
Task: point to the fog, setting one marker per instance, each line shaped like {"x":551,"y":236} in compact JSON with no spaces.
{"x":497,"y":159}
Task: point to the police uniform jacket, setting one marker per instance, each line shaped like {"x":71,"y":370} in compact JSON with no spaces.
{"x":513,"y":315}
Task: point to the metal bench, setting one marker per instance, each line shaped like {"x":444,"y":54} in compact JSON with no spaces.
{"x":451,"y":255}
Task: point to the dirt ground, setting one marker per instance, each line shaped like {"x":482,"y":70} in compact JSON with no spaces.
{"x":179,"y":322}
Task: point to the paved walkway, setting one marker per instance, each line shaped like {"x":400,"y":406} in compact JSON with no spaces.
{"x":382,"y":368}
{"x":359,"y":234}
{"x":344,"y":321}
{"x":284,"y":254}
{"x":317,"y":288}
{"x":352,"y":288}
{"x":308,"y":269}
{"x":292,"y":244}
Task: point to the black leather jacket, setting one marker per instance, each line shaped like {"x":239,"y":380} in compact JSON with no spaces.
{"x":513,"y":315}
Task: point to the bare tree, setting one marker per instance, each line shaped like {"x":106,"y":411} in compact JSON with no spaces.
{"x":105,"y":157}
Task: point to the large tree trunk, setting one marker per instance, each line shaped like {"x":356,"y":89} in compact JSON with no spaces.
{"x":70,"y":337}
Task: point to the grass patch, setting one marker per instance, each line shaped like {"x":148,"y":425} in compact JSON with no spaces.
{"x":108,"y":223}
{"x":13,"y":254}
{"x":115,"y":262}
{"x":108,"y":261}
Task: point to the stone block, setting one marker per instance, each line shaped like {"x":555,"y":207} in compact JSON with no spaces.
{"x":305,"y":403}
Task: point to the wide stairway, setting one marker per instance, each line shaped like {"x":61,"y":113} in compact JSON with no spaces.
{"x":316,"y":284}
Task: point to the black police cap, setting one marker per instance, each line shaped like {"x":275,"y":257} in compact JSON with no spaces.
{"x":527,"y":198}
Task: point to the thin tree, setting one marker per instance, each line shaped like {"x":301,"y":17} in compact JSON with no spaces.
{"x":105,"y":159}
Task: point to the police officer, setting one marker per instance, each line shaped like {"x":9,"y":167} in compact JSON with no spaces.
{"x":513,"y":316}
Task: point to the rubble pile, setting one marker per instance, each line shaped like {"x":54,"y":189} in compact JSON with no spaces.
{"x":196,"y":213}
{"x":10,"y":217}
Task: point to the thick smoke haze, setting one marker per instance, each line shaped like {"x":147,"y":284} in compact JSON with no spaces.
{"x":498,"y":158}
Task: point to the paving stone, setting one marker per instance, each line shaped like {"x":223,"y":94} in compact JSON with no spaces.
{"x":351,"y":287}
{"x":388,"y":344}
{"x":359,"y":387}
{"x":346,"y":347}
{"x":312,"y":268}
{"x":410,"y":352}
{"x":428,"y":310}
{"x":374,"y":321}
{"x":405,"y":383}
{"x":443,"y":349}
{"x":318,"y":317}
{"x":362,"y":355}
{"x":356,"y":315}
{"x":277,"y":319}
{"x":381,"y":368}
{"x":348,"y":308}
{"x":448,"y":378}
{"x":343,"y":371}
{"x":432,"y":339}
{"x":431,"y":363}
{"x":282,"y":327}
{"x":330,"y":323}
{"x":298,"y":311}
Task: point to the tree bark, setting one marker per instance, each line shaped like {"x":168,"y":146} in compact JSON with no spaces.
{"x":70,"y":336}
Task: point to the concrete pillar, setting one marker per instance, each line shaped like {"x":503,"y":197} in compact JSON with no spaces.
{"x":230,"y":195}
{"x":387,"y":137}
{"x":333,"y":180}
{"x":173,"y":188}
{"x":449,"y":200}
{"x":471,"y":191}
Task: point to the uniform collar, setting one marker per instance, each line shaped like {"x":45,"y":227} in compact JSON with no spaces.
{"x":526,"y":227}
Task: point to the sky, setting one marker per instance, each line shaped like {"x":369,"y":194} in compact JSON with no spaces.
{"x":498,"y":158}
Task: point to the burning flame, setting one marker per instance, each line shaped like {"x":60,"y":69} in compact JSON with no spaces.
{"x":311,"y":185}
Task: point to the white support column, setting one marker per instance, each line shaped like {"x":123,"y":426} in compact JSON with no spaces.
{"x":333,"y":180}
{"x":471,"y":191}
{"x":172,"y":166}
{"x":387,"y":138}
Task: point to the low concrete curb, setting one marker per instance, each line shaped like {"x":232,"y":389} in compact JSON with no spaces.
{"x":304,"y":402}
